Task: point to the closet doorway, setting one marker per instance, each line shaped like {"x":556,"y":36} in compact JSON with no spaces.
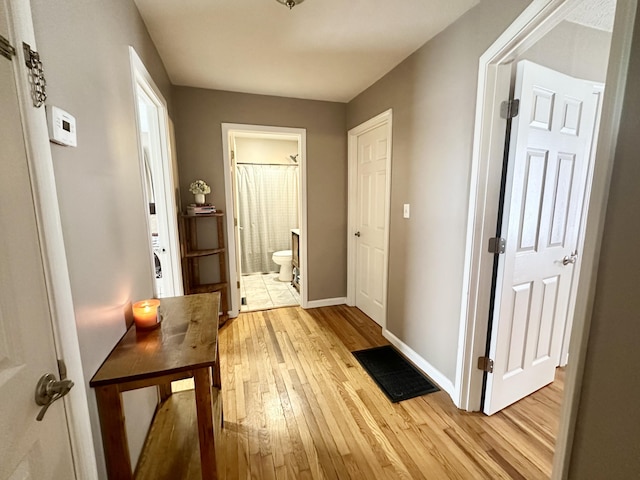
{"x":157,"y":171}
{"x":265,"y":194}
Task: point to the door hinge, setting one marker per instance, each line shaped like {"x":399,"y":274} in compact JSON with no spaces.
{"x":6,"y":49}
{"x":485,"y":364}
{"x":510,"y":108}
{"x":235,"y":222}
{"x":497,"y":245}
{"x":233,"y":155}
{"x":238,"y":284}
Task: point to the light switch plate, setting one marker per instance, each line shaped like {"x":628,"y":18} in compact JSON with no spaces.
{"x":407,"y":211}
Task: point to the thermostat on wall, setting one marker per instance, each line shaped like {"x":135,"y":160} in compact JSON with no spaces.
{"x":62,"y":126}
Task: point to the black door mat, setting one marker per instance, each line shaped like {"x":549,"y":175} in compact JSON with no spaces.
{"x":397,"y":378}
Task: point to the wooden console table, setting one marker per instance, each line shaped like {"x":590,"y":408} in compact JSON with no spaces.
{"x":184,"y":345}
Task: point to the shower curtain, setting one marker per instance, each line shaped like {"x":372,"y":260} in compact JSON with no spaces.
{"x":268,"y":210}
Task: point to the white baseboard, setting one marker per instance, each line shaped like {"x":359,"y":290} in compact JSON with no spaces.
{"x":327,"y":302}
{"x":433,"y":373}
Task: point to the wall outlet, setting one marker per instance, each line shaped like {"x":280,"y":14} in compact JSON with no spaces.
{"x":406,"y":213}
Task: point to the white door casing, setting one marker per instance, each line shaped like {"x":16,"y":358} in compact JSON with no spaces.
{"x":548,"y":164}
{"x":369,"y":199}
{"x":236,"y":292}
{"x":229,"y":130}
{"x":28,"y":449}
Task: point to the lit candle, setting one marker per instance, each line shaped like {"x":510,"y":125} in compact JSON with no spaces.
{"x":145,"y":313}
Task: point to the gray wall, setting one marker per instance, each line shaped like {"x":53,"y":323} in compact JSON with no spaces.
{"x":607,"y":438}
{"x":433,"y":96}
{"x":84,"y":48}
{"x":574,"y":50}
{"x":198,"y":117}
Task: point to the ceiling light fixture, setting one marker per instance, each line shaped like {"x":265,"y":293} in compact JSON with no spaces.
{"x":290,"y":3}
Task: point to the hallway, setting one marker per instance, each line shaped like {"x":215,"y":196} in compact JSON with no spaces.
{"x":298,"y":405}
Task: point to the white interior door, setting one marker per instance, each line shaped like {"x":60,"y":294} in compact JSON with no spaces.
{"x":28,"y":449}
{"x":548,"y":164}
{"x":371,"y":222}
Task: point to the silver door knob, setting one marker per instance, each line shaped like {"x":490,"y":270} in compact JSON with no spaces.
{"x":49,"y":390}
{"x":357,"y":234}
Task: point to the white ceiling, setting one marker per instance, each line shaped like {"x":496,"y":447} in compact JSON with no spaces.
{"x":321,"y":49}
{"x":597,"y":14}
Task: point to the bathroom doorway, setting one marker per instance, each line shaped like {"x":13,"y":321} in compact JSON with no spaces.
{"x":264,"y":178}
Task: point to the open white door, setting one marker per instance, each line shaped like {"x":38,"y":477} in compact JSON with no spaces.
{"x":159,"y":187}
{"x":370,"y":172}
{"x":546,"y":181}
{"x":28,"y":448}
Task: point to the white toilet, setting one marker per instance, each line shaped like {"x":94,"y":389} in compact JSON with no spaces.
{"x":283,"y":258}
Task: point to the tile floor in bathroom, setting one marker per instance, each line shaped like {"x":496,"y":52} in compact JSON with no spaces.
{"x":264,"y":291}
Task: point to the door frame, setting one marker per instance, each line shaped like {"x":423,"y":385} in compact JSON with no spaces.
{"x":489,"y":135}
{"x":141,"y":78}
{"x":300,"y":134}
{"x":384,"y":118}
{"x":56,"y":273}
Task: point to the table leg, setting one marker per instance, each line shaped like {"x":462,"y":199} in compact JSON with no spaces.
{"x":165,"y":391}
{"x":204,"y":409}
{"x":217,"y":383}
{"x":114,"y":434}
{"x":217,"y":379}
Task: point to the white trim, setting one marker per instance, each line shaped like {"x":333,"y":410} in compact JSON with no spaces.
{"x":535,"y":21}
{"x":432,"y":372}
{"x":53,"y":250}
{"x":384,"y":118}
{"x":299,"y":134}
{"x":142,"y":78}
{"x":327,"y":302}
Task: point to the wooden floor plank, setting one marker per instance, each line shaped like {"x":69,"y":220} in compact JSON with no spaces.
{"x":299,"y":406}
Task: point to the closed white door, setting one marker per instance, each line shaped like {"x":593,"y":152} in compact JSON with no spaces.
{"x":546,"y":181}
{"x":371,"y":230}
{"x":28,"y":449}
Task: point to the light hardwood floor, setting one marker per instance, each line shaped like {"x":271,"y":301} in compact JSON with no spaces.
{"x":297,"y":405}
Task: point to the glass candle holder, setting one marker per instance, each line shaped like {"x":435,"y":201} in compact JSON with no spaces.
{"x":145,"y":313}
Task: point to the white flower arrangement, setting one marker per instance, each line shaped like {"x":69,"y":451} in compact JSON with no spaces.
{"x":199,"y":186}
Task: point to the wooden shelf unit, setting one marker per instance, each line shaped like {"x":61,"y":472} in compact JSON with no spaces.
{"x":191,"y":255}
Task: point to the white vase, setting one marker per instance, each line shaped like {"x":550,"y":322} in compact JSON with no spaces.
{"x":199,"y":198}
